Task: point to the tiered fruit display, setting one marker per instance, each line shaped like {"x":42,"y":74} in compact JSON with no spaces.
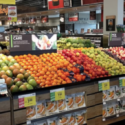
{"x":69,"y":43}
{"x":90,"y":67}
{"x":49,"y":69}
{"x":16,"y":78}
{"x":105,"y":61}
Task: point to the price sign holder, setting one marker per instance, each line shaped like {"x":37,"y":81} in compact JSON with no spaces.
{"x":104,"y":85}
{"x":57,"y":94}
{"x":122,"y":81}
{"x":27,"y":100}
{"x":3,"y":87}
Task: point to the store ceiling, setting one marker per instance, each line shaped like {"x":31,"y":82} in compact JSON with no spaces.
{"x":37,"y":12}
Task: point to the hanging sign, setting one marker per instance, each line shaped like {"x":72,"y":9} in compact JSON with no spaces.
{"x":57,"y":94}
{"x":27,"y":100}
{"x":104,"y":85}
{"x":7,"y":1}
{"x":12,"y":13}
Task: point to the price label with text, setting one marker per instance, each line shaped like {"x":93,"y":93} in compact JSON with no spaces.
{"x":122,"y":81}
{"x":27,"y":100}
{"x":104,"y":85}
{"x":57,"y":94}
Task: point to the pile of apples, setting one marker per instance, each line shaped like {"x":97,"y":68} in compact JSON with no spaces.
{"x":89,"y":65}
{"x":118,"y":51}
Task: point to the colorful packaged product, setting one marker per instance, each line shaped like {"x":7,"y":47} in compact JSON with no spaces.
{"x":105,"y":95}
{"x":64,"y":120}
{"x":41,"y":108}
{"x":118,"y":92}
{"x":104,"y":111}
{"x":51,"y":107}
{"x":80,"y":99}
{"x":52,"y":121}
{"x":80,"y":117}
{"x":31,"y":112}
{"x":40,"y":123}
{"x":61,"y":105}
{"x":70,"y":101}
{"x":111,"y":108}
{"x":111,"y":93}
{"x":123,"y":91}
{"x":117,"y":107}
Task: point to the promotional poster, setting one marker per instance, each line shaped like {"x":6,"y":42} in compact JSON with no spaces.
{"x":28,"y":42}
{"x":12,"y":13}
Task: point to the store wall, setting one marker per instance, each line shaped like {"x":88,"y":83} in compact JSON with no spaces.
{"x":84,"y":22}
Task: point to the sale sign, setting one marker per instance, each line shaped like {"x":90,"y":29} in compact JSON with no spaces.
{"x":73,"y":17}
{"x":12,"y":13}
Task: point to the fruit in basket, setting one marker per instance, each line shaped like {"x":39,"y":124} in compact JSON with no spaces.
{"x":19,"y":83}
{"x":20,"y":76}
{"x":22,"y":88}
{"x":32,"y":82}
{"x":14,"y":88}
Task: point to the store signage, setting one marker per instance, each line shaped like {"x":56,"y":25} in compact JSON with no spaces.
{"x":3,"y":87}
{"x":32,"y":42}
{"x":57,"y":94}
{"x":92,"y":15}
{"x":110,"y":23}
{"x":56,"y":4}
{"x":104,"y":85}
{"x":116,"y":39}
{"x":27,"y":100}
{"x":12,"y":13}
{"x":73,"y":17}
{"x":7,"y":1}
{"x":122,"y":81}
{"x":4,"y":37}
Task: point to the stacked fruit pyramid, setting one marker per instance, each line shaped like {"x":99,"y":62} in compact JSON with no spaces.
{"x":102,"y":59}
{"x":16,"y":78}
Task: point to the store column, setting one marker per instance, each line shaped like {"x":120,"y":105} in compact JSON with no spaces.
{"x":112,"y":15}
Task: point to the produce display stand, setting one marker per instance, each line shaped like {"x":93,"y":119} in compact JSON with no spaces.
{"x":93,"y":97}
{"x":5,"y":110}
{"x":91,"y":37}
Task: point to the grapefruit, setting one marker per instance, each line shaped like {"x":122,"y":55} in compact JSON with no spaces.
{"x":26,"y":75}
{"x":9,"y":81}
{"x":4,"y":77}
{"x":19,"y":83}
{"x":32,"y":82}
{"x":30,"y":77}
{"x":14,"y":88}
{"x":22,"y":71}
{"x":20,"y":76}
{"x":11,"y":68}
{"x":9,"y":73}
{"x":22,"y":88}
{"x":16,"y":80}
{"x":29,"y":87}
{"x":5,"y":68}
{"x":16,"y":72}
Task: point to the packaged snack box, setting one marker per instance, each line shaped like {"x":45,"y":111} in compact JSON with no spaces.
{"x":70,"y":101}
{"x":80,"y":99}
{"x":40,"y":123}
{"x":51,"y":107}
{"x":111,"y":108}
{"x":105,"y":95}
{"x":31,"y":112}
{"x":52,"y":121}
{"x":41,"y":108}
{"x":111,"y":93}
{"x":64,"y":120}
{"x":104,"y":111}
{"x":61,"y":105}
{"x":80,"y":117}
{"x":118,"y":92}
